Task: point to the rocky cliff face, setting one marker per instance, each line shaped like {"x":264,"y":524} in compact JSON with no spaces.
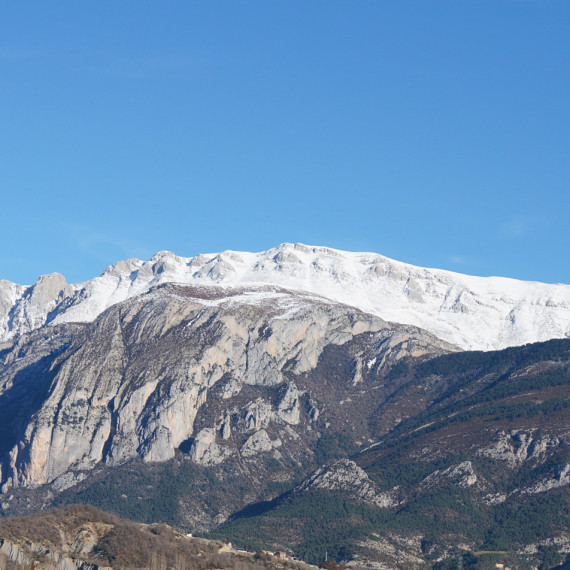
{"x":470,"y":312}
{"x":221,"y":371}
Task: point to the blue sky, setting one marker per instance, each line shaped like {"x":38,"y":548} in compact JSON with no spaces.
{"x":436,"y":133}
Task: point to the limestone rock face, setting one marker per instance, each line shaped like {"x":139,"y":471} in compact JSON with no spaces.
{"x":461,"y":475}
{"x":28,"y":308}
{"x":205,"y":451}
{"x":345,"y":476}
{"x":223,"y":371}
{"x":288,"y":409}
{"x":560,"y":478}
{"x":517,"y":446}
{"x":258,"y":442}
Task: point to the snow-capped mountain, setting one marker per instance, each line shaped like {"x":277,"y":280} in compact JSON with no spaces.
{"x":471,"y":312}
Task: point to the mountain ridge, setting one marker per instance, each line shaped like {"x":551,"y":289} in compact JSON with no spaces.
{"x":204,"y":405}
{"x":137,"y":381}
{"x":474,"y":313}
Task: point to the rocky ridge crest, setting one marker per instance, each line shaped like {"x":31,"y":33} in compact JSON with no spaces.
{"x":471,"y":312}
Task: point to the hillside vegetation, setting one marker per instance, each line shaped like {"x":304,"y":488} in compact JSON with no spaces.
{"x":82,"y":535}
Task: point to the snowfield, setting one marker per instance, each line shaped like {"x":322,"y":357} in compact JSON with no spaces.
{"x":484,"y":313}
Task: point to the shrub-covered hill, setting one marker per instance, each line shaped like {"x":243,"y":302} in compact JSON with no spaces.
{"x":85,"y":537}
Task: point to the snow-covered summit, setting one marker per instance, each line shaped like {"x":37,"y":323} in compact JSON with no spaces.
{"x":470,"y":312}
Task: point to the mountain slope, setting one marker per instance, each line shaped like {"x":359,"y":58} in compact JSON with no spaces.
{"x":290,"y":419}
{"x":203,"y":406}
{"x":220,"y":371}
{"x":478,"y":468}
{"x":470,"y":312}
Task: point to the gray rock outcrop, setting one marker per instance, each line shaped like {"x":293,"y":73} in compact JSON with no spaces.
{"x":346,"y":477}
